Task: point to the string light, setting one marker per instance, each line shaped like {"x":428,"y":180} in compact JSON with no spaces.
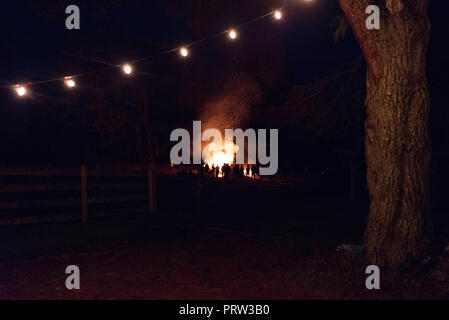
{"x":278,"y":15}
{"x":20,"y":90}
{"x":184,"y":52}
{"x":232,"y":34}
{"x":69,"y":82}
{"x":127,"y":68}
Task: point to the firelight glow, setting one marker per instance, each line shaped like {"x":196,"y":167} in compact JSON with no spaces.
{"x":232,"y":34}
{"x":217,"y":155}
{"x":127,"y":69}
{"x":184,"y":52}
{"x":20,"y":90}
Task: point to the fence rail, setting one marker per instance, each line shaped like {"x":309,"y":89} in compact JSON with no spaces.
{"x":86,"y":188}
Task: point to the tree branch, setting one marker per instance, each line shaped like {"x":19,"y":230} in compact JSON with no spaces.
{"x":355,"y":11}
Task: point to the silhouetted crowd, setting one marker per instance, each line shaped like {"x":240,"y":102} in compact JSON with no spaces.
{"x":227,"y":171}
{"x":236,"y":171}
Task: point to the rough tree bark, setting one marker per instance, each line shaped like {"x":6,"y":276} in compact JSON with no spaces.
{"x":397,"y":137}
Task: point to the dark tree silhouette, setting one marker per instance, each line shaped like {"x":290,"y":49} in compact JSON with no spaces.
{"x":397,"y":134}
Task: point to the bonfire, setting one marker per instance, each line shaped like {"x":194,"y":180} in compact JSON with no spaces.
{"x":215,"y":154}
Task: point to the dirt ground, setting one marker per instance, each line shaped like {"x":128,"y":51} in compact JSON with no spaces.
{"x":200,"y":264}
{"x":241,"y":241}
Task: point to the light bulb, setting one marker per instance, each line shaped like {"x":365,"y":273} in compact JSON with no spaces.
{"x":232,"y":34}
{"x":127,"y":69}
{"x":69,"y":82}
{"x":20,"y":90}
{"x":278,"y":15}
{"x":184,"y":52}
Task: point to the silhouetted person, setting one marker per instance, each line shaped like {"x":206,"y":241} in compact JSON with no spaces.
{"x":246,"y":171}
{"x":236,"y":170}
{"x":217,"y":171}
{"x":226,"y":171}
{"x":253,"y":171}
{"x":223,"y":171}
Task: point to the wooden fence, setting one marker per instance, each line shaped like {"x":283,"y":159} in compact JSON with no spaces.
{"x":82,"y":187}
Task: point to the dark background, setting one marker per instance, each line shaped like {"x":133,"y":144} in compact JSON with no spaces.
{"x":211,"y":238}
{"x":287,"y":75}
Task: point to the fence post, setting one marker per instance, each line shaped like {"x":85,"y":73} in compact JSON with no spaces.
{"x":152,"y":205}
{"x":84,"y":195}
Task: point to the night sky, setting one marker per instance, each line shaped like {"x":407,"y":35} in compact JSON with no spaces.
{"x":37,"y":42}
{"x":300,"y":49}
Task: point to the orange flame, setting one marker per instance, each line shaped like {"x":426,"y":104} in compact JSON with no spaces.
{"x":219,"y":155}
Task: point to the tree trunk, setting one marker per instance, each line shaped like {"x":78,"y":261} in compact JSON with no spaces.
{"x":397,"y":137}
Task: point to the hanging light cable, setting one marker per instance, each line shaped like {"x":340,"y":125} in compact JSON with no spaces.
{"x":184,"y":52}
